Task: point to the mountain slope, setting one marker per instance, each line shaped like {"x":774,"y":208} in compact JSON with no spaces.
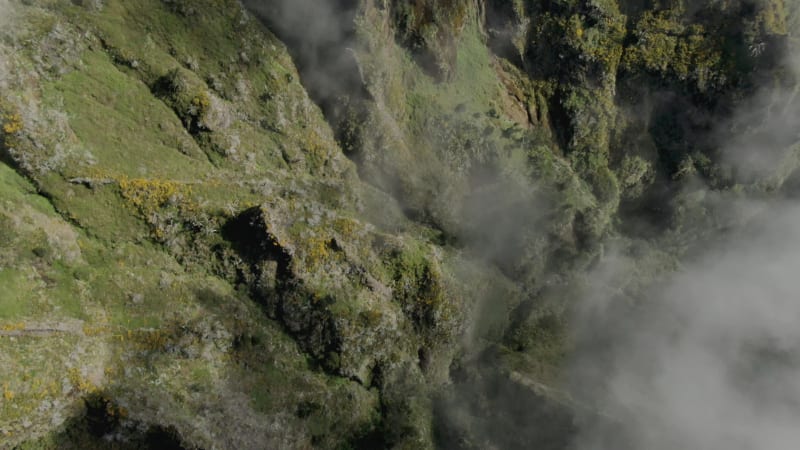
{"x":347,"y":224}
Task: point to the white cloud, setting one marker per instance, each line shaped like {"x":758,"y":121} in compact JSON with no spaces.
{"x":709,"y":359}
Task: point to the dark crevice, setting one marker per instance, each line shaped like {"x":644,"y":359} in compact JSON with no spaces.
{"x":500,"y":18}
{"x":560,"y":121}
{"x":268,"y":276}
{"x":104,"y":425}
{"x":249,"y":237}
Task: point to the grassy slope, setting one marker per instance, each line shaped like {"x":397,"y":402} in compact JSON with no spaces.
{"x":95,"y":303}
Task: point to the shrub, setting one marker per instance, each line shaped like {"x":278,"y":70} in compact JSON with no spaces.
{"x":150,"y":195}
{"x":634,"y":175}
{"x":186,"y":96}
{"x":12,"y":123}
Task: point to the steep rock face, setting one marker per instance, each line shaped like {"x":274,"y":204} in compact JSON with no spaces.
{"x":527,"y":133}
{"x":341,"y":223}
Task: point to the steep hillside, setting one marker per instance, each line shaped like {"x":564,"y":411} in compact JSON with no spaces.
{"x":347,"y":224}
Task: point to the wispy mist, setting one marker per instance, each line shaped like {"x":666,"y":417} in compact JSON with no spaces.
{"x":760,"y":139}
{"x":320,"y":36}
{"x":709,"y":357}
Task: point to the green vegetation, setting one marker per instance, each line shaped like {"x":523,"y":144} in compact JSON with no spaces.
{"x":184,"y":238}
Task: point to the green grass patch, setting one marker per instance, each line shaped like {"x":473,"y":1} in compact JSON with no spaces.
{"x":16,"y":302}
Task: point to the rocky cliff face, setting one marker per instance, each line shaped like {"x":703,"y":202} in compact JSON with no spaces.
{"x":351,"y":224}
